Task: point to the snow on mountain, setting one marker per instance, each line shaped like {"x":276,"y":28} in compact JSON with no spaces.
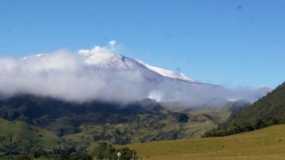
{"x":168,"y":73}
{"x":101,"y":56}
{"x":104,"y":58}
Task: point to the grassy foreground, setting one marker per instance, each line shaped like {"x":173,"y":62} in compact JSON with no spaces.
{"x":265,"y":144}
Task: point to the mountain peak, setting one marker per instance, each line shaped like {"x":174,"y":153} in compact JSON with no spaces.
{"x":99,"y":55}
{"x":106,"y":57}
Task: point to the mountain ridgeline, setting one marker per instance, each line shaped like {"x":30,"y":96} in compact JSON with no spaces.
{"x":42,"y":110}
{"x":96,"y":121}
{"x":268,"y":111}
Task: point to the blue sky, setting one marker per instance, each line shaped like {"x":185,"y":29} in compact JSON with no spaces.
{"x":229,"y":42}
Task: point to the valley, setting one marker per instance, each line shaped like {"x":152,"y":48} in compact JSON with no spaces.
{"x":142,"y":80}
{"x":144,"y":129}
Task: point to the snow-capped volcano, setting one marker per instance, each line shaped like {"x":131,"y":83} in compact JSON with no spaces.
{"x":102,"y":57}
{"x":100,"y":73}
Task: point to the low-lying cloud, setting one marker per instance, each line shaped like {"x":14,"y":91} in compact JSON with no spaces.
{"x":99,"y":74}
{"x":70,"y":76}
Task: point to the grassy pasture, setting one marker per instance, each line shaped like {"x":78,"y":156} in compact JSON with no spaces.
{"x":264,"y":144}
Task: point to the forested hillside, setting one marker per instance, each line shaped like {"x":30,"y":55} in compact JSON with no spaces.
{"x":267,"y":111}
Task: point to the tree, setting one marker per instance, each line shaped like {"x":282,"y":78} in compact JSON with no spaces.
{"x":9,"y":146}
{"x":102,"y":151}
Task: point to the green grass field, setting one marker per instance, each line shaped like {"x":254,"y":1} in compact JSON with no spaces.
{"x":265,"y":144}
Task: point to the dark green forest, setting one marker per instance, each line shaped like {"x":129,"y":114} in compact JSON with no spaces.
{"x":268,"y":111}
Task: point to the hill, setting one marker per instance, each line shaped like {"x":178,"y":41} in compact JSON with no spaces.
{"x":141,"y":121}
{"x":264,"y":144}
{"x":20,"y":137}
{"x":267,"y":111}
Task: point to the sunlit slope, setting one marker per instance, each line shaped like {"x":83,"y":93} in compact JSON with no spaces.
{"x":265,"y":144}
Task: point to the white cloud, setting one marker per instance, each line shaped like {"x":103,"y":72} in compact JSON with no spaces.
{"x":78,"y":76}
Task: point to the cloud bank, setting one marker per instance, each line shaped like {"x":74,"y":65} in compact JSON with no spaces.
{"x":100,"y":74}
{"x":78,"y":76}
